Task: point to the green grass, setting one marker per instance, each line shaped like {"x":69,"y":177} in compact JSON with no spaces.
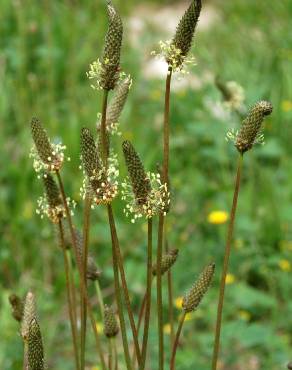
{"x":46,"y":48}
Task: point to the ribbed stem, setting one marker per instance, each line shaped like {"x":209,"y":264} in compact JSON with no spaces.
{"x":225,"y":264}
{"x":85,"y":239}
{"x":69,"y":296}
{"x":118,"y":294}
{"x":110,"y":354}
{"x":104,"y":149}
{"x":176,"y":341}
{"x":116,"y":362}
{"x":170,"y":301}
{"x":99,"y":298}
{"x":161,"y":218}
{"x":116,"y":247}
{"x":148,"y":295}
{"x":80,"y":270}
{"x":72,"y":286}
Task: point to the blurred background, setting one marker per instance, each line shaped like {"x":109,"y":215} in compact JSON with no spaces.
{"x":45,"y":50}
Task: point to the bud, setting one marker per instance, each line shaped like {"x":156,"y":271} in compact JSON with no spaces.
{"x":17,"y":307}
{"x":117,"y":104}
{"x":52,"y":191}
{"x":90,"y":159}
{"x":139,"y":181}
{"x":47,"y":153}
{"x":29,"y":313}
{"x":193,"y":298}
{"x":251,"y":126}
{"x":92,"y":272}
{"x":35,"y":347}
{"x":183,"y":37}
{"x":112,"y":49}
{"x":102,"y":181}
{"x":111,"y":327}
{"x":167,"y":261}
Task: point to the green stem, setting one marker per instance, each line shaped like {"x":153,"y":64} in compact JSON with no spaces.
{"x":80,"y":270}
{"x":119,"y":258}
{"x":69,"y":296}
{"x":85,"y":239}
{"x":148,"y":296}
{"x":161,"y":218}
{"x":72,"y":286}
{"x":176,"y":341}
{"x":225,"y":264}
{"x":118,"y":288}
{"x":99,"y":298}
{"x":116,"y":363}
{"x":110,"y":354}
{"x":170,"y":301}
{"x":104,"y":149}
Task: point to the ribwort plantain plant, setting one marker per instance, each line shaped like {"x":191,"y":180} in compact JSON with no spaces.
{"x":146,"y":196}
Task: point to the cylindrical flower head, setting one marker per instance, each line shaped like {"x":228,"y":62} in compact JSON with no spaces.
{"x":186,"y":28}
{"x":52,"y":191}
{"x":17,"y":307}
{"x":92,"y":272}
{"x":111,"y":327}
{"x":251,"y":126}
{"x":35,"y":347}
{"x":43,"y":145}
{"x":117,"y":103}
{"x":29,"y":313}
{"x":139,"y":181}
{"x":112,"y":50}
{"x":193,"y":298}
{"x":90,"y":158}
{"x":167,"y":261}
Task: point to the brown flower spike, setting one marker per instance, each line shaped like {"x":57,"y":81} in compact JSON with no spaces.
{"x":103,"y":189}
{"x":251,"y":126}
{"x":112,"y":49}
{"x":193,"y":298}
{"x":111,"y":327}
{"x":44,"y":148}
{"x":29,"y":313}
{"x":167,"y":261}
{"x":117,"y":103}
{"x":140,"y":183}
{"x":17,"y":307}
{"x":35,"y":347}
{"x":182,"y":40}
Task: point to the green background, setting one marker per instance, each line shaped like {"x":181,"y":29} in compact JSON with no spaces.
{"x":46,"y":48}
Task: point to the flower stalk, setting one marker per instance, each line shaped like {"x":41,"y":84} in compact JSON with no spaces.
{"x":148,"y":296}
{"x":69,"y":296}
{"x":225,"y":264}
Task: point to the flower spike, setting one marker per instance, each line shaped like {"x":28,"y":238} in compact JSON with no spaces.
{"x":193,"y":298}
{"x":249,"y":132}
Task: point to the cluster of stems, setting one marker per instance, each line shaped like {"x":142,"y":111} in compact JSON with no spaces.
{"x":77,"y":256}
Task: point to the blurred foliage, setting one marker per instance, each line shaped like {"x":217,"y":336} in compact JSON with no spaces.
{"x":46,"y":48}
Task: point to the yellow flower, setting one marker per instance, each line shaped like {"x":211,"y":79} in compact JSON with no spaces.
{"x":230,"y":279}
{"x":95,"y":368}
{"x":286,"y":105}
{"x":244,"y":315}
{"x":178,"y":302}
{"x":286,"y":245}
{"x":284,"y":265}
{"x":217,"y":217}
{"x":156,"y":95}
{"x":27,"y":210}
{"x":99,"y":327}
{"x":166,"y":328}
